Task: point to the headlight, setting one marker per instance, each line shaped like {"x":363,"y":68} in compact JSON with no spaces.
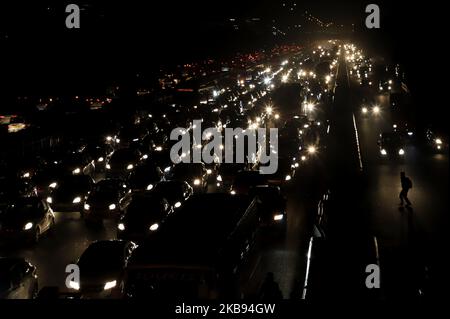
{"x":86,"y":207}
{"x":303,"y":158}
{"x":177,"y":204}
{"x":135,"y":139}
{"x":145,"y":156}
{"x":109,"y":138}
{"x":219,"y":178}
{"x":196,"y":182}
{"x":28,"y":226}
{"x":311,"y":149}
{"x":278,"y":217}
{"x":53,"y":185}
{"x":288,"y":178}
{"x":108,"y":166}
{"x":364,"y":110}
{"x":376,"y":110}
{"x":117,"y":140}
{"x":383,"y":152}
{"x":149,"y":187}
{"x":438,"y":141}
{"x":167,"y":169}
{"x":74,"y":285}
{"x":26,"y":175}
{"x":208,"y":171}
{"x":130,"y":166}
{"x":154,"y":227}
{"x":112,"y":206}
{"x":49,"y":200}
{"x":401,"y":151}
{"x":76,"y":171}
{"x":121,"y":226}
{"x":110,"y":284}
{"x":158,"y":148}
{"x":233,"y":192}
{"x":100,"y":159}
{"x":76,"y":200}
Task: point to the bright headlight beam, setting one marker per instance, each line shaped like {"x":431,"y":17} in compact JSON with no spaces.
{"x":110,"y":285}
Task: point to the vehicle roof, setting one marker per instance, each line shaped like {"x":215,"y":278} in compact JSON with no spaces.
{"x":197,"y":232}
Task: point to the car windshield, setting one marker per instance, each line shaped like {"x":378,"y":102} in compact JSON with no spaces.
{"x":184,"y":169}
{"x":144,"y":207}
{"x":75,"y":182}
{"x":100,"y":258}
{"x":391,"y":139}
{"x":28,"y":207}
{"x":123,"y":156}
{"x":106,"y":187}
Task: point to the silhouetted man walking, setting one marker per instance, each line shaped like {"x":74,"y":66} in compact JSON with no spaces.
{"x":406,"y":186}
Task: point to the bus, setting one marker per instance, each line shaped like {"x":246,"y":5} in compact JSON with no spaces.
{"x":200,"y":253}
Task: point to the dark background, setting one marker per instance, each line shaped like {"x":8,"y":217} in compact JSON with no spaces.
{"x":118,"y":39}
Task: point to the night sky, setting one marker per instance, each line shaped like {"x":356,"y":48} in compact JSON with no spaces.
{"x":117,"y":39}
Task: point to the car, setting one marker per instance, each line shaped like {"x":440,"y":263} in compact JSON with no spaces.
{"x":285,"y":172}
{"x":226,"y":173}
{"x":158,"y":142}
{"x":27,"y":218}
{"x":18,"y":279}
{"x":102,"y":267}
{"x":121,"y":162}
{"x":79,"y":163}
{"x":143,"y":216}
{"x":104,"y":200}
{"x":131,"y":136}
{"x":194,"y":174}
{"x":144,"y":176}
{"x":99,"y":151}
{"x":272,"y":205}
{"x":391,"y":144}
{"x":435,"y":141}
{"x":68,"y":161}
{"x":70,"y":193}
{"x":12,"y":188}
{"x":176,"y":192}
{"x":245,"y":180}
{"x":161,"y":158}
{"x":47,"y":178}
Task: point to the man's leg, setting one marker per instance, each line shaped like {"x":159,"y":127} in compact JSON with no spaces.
{"x":406,"y":197}
{"x":401,"y":197}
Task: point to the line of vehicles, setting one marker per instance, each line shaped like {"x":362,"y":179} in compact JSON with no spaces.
{"x":184,"y":228}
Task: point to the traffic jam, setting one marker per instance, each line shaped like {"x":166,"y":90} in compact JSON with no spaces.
{"x":107,"y":189}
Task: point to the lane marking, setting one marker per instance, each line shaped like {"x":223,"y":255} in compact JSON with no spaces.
{"x":357,"y":143}
{"x":305,"y":284}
